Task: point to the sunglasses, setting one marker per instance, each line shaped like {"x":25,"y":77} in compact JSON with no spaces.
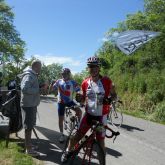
{"x":93,"y":66}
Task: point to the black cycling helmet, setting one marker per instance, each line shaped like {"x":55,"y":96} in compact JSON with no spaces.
{"x":66,"y":70}
{"x":93,"y":61}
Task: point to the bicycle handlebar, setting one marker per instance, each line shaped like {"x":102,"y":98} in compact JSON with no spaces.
{"x":114,"y":134}
{"x":119,"y":101}
{"x":110,"y":100}
{"x":74,"y":106}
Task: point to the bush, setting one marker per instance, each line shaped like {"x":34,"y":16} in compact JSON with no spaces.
{"x":159,"y":114}
{"x":156,"y":96}
{"x":140,"y":84}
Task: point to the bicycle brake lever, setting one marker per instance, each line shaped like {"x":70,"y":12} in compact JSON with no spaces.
{"x":116,"y":134}
{"x":120,"y":101}
{"x":114,"y":139}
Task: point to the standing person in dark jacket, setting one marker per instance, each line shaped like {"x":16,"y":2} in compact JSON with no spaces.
{"x":30,"y":99}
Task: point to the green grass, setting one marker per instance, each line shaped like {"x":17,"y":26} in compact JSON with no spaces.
{"x":142,"y":106}
{"x":14,"y":155}
{"x":143,"y":115}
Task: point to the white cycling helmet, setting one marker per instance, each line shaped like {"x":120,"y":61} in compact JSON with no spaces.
{"x":93,"y":61}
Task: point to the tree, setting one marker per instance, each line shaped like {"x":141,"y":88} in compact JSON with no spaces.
{"x":50,"y":72}
{"x":55,"y":70}
{"x":139,"y":78}
{"x":11,"y":45}
{"x":79,"y":77}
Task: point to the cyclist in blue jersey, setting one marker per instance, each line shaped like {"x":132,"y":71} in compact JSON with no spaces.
{"x":66,"y":87}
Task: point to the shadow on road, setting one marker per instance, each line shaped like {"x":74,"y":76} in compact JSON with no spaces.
{"x":112,"y":152}
{"x":50,"y":149}
{"x":131,"y":128}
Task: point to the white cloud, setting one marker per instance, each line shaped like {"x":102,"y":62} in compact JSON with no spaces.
{"x":104,"y":39}
{"x":101,"y":40}
{"x":76,"y":66}
{"x":49,"y":59}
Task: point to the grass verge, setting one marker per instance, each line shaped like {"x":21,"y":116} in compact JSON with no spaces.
{"x":143,"y":115}
{"x":14,"y":155}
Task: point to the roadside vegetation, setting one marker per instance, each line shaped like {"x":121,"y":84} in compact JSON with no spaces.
{"x":140,"y":77}
{"x":14,"y":155}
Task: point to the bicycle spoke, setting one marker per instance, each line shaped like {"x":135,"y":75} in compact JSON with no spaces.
{"x":91,"y":154}
{"x":70,"y":121}
{"x":116,"y":115}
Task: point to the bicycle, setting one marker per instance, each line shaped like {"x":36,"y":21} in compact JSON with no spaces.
{"x":115,"y":116}
{"x":71,"y":121}
{"x":88,"y":150}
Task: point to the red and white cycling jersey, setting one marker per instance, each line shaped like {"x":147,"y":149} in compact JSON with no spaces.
{"x":94,"y":92}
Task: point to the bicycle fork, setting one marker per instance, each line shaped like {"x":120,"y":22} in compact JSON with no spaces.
{"x":88,"y":151}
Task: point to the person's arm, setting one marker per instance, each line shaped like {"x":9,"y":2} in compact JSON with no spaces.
{"x":76,"y":87}
{"x":80,"y":96}
{"x":77,"y":90}
{"x":55,"y":88}
{"x":50,"y":90}
{"x":113,"y":93}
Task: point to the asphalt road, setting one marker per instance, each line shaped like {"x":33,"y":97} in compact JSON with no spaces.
{"x":140,"y":143}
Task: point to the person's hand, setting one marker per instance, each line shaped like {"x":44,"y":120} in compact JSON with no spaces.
{"x":78,"y":112}
{"x":79,"y":97}
{"x":107,"y":100}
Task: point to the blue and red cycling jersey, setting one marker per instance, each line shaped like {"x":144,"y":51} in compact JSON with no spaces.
{"x":66,"y":90}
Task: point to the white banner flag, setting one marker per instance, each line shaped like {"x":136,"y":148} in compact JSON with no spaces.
{"x":131,"y":40}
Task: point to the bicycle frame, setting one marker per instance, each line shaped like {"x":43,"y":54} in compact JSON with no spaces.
{"x":70,"y":120}
{"x":114,"y":107}
{"x":114,"y":117}
{"x":87,"y":145}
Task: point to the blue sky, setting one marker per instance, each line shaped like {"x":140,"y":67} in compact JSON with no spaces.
{"x":68,"y":31}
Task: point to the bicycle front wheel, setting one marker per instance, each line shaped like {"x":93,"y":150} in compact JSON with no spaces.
{"x":116,"y":116}
{"x":68,"y":124}
{"x":88,"y":154}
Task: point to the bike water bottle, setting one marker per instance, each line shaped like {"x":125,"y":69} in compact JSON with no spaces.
{"x":84,"y":138}
{"x":76,"y":146}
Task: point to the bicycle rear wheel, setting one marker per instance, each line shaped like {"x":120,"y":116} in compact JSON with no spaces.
{"x":116,"y":116}
{"x":88,"y":154}
{"x":69,"y":122}
{"x":72,"y":133}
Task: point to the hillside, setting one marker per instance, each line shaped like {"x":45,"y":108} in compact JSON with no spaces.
{"x":140,"y":77}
